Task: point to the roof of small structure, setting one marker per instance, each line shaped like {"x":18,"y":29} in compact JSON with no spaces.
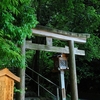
{"x":6,"y":72}
{"x":52,"y":30}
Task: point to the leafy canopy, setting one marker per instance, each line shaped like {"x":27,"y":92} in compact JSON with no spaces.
{"x":17,"y":18}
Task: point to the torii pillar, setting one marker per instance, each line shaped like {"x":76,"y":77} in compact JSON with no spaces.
{"x":21,"y":72}
{"x":72,"y":71}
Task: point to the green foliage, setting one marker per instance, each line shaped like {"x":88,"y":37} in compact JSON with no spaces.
{"x":18,"y":26}
{"x":85,"y":66}
{"x":47,"y":63}
{"x":17,"y":18}
{"x":29,"y":54}
{"x":9,"y":54}
{"x":92,"y":48}
{"x":77,"y":16}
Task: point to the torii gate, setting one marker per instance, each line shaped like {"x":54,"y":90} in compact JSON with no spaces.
{"x":71,"y":50}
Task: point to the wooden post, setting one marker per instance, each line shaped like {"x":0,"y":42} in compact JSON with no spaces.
{"x":22,"y":73}
{"x":48,"y":41}
{"x":63,"y":90}
{"x":72,"y":70}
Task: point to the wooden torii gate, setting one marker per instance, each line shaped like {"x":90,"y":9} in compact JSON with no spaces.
{"x":70,"y":49}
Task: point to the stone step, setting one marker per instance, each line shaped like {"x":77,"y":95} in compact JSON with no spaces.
{"x":30,"y":94}
{"x":32,"y":98}
{"x":37,"y":98}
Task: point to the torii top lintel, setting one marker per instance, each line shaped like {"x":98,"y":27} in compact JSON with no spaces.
{"x":59,"y":34}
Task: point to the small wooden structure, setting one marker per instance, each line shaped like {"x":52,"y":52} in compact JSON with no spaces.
{"x":7,"y":84}
{"x":60,"y":62}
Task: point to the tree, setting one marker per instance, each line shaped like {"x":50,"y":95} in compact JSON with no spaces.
{"x":17,"y":17}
